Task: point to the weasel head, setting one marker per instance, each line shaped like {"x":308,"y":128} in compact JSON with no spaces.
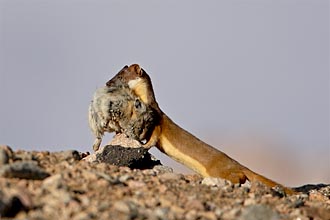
{"x":137,"y":80}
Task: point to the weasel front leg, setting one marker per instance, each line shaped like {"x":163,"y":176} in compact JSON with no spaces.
{"x":153,"y":138}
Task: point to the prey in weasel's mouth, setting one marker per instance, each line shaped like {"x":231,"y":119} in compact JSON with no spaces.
{"x":117,"y":109}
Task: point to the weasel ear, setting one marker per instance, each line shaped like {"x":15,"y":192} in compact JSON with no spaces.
{"x":142,"y":72}
{"x":137,"y":69}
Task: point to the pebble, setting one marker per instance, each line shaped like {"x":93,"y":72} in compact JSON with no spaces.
{"x":232,"y":214}
{"x":122,"y":140}
{"x":80,"y":190}
{"x":69,"y":154}
{"x":82,"y":216}
{"x":191,"y":215}
{"x":208,"y":216}
{"x":249,"y":201}
{"x":53,"y":182}
{"x":121,"y":206}
{"x":317,"y":196}
{"x":162,"y":169}
{"x":195,"y":205}
{"x":161,"y":213}
{"x":171,"y":176}
{"x":24,"y":156}
{"x":135,"y":184}
{"x":23,"y":170}
{"x":125,"y":177}
{"x":57,"y":187}
{"x":297,"y":214}
{"x":213,"y":181}
{"x":259,"y":212}
{"x":135,"y":158}
{"x":13,"y":201}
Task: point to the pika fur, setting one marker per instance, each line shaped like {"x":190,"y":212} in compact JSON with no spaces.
{"x":117,"y":109}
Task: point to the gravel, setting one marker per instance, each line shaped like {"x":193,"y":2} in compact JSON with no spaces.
{"x":77,"y":189}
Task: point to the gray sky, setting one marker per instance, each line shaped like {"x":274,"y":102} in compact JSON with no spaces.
{"x":249,"y":77}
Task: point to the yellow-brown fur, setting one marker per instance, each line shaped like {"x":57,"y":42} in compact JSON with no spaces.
{"x":183,"y":146}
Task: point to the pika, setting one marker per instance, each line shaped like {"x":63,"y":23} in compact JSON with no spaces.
{"x":117,"y":109}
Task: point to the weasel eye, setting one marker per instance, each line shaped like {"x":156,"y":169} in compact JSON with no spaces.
{"x":137,"y":104}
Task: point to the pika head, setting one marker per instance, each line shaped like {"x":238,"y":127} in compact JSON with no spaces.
{"x":117,"y":109}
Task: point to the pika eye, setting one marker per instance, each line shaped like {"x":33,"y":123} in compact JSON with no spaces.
{"x":137,"y":104}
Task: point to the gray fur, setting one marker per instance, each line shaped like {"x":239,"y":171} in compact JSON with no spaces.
{"x":117,"y":109}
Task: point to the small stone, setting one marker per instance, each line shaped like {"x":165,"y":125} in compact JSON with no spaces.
{"x":218,"y":182}
{"x":122,"y":140}
{"x":208,"y":215}
{"x":135,"y":158}
{"x":259,"y":212}
{"x":162,"y":169}
{"x":194,"y":204}
{"x":128,"y":208}
{"x":232,"y":214}
{"x":317,"y":196}
{"x":53,"y":182}
{"x":191,"y":215}
{"x":58,"y":189}
{"x":218,"y":212}
{"x":23,"y":170}
{"x":259,"y":189}
{"x":135,"y":184}
{"x":62,"y":195}
{"x":124,"y":178}
{"x":318,"y":212}
{"x":298,"y":203}
{"x":121,"y":206}
{"x":161,"y":213}
{"x":170,"y":176}
{"x":82,"y":216}
{"x":23,"y":156}
{"x":162,"y":188}
{"x":249,"y":201}
{"x":13,"y":201}
{"x":90,"y":158}
{"x":69,"y":154}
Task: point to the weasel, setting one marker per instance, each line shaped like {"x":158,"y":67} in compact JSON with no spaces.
{"x":179,"y":144}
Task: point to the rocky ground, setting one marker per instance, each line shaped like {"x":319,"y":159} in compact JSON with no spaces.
{"x":64,"y":185}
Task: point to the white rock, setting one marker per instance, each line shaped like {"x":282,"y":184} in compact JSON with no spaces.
{"x":213,"y":181}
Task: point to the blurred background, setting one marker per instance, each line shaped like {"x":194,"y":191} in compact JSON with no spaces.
{"x":248,"y":77}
